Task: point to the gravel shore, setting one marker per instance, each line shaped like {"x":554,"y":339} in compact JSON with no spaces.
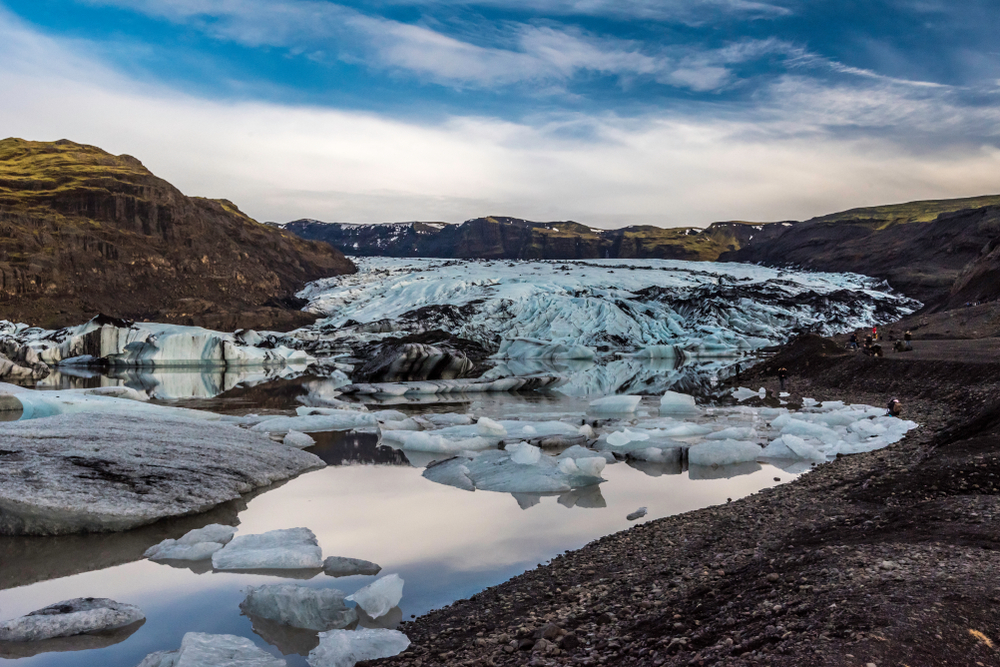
{"x":885,"y":558}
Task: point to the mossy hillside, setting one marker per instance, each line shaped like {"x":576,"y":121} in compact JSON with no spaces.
{"x":915,"y":211}
{"x":84,"y":231}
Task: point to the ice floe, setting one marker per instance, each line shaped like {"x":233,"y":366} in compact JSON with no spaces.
{"x":283,"y":549}
{"x":340,"y":566}
{"x":378,"y":597}
{"x":494,"y":470}
{"x":69,"y":618}
{"x":199,"y":649}
{"x":673,"y":402}
{"x":198,"y":544}
{"x":345,"y":648}
{"x":109,"y":471}
{"x":299,"y":606}
{"x":615,"y":404}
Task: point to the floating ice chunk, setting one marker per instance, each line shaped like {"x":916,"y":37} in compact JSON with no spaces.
{"x":408,"y":424}
{"x":486,"y":426}
{"x":299,"y":606}
{"x":723,"y":452}
{"x":69,"y":618}
{"x":345,"y":648}
{"x":298,"y":439}
{"x":338,"y":420}
{"x":198,"y":544}
{"x":286,"y":549}
{"x":615,"y":404}
{"x":592,"y":466}
{"x":568,"y":467}
{"x":389,"y":416}
{"x":339,"y":566}
{"x":733,"y":433}
{"x":657,"y":352}
{"x":800,"y":427}
{"x":422,"y":441}
{"x":743,"y":393}
{"x":625,"y":436}
{"x":638,"y":514}
{"x":204,"y":650}
{"x":673,"y":402}
{"x":493,"y":470}
{"x":448,"y":419}
{"x":587,"y":431}
{"x":380,"y":596}
{"x":792,"y":447}
{"x":524,"y":454}
{"x":671,"y":455}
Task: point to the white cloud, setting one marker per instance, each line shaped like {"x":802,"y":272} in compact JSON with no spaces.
{"x":683,"y":11}
{"x":786,"y":158}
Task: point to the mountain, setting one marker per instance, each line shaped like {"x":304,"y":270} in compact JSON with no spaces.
{"x":83,"y":231}
{"x":920,"y":248}
{"x":498,"y":237}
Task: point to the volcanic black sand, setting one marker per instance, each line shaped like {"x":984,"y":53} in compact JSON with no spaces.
{"x":885,"y":558}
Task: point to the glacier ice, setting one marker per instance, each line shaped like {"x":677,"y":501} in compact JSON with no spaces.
{"x":198,"y":544}
{"x":345,"y":648}
{"x":70,"y":617}
{"x":380,"y":596}
{"x":486,"y":426}
{"x":299,"y":606}
{"x":626,"y":304}
{"x":298,"y":439}
{"x":615,"y":404}
{"x":337,"y":420}
{"x":109,"y":471}
{"x":674,"y":402}
{"x":199,"y":649}
{"x":340,"y":566}
{"x":283,"y":549}
{"x":524,"y":454}
{"x":723,"y":452}
{"x":625,"y":436}
{"x":494,"y":470}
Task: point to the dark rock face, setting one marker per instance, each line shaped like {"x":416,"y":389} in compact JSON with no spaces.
{"x":922,"y":259}
{"x":83,"y":231}
{"x":513,"y":238}
{"x":414,"y":361}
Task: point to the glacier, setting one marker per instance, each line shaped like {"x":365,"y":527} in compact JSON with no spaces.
{"x":573,"y":309}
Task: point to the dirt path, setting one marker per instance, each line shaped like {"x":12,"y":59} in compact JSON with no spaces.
{"x":886,"y":558}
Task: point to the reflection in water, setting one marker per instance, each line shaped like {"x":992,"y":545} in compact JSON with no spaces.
{"x":15,"y":650}
{"x":723,"y":472}
{"x":287,"y":639}
{"x":345,"y":447}
{"x":584,"y":497}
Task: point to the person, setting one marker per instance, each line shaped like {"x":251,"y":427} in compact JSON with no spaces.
{"x":853,"y":343}
{"x":876,"y":350}
{"x":907,"y":338}
{"x":894,"y":408}
{"x":782,"y":376}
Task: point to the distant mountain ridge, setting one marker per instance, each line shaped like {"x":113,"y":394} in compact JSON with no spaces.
{"x":83,"y":231}
{"x":922,"y":248}
{"x":499,"y":237}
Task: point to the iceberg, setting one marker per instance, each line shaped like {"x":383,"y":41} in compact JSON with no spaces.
{"x":339,"y":566}
{"x":615,"y":404}
{"x":625,"y":436}
{"x":198,"y":544}
{"x":344,"y":648}
{"x":378,"y":597}
{"x":199,"y":649}
{"x":298,"y":439}
{"x":673,"y":403}
{"x":110,"y":471}
{"x":495,"y":470}
{"x":299,"y":606}
{"x":70,"y":617}
{"x":284,"y":549}
{"x":723,"y":452}
{"x":337,"y":420}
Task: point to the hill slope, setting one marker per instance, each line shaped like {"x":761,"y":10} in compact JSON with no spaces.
{"x":83,"y":231}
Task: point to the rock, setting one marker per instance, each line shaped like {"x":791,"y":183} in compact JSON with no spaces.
{"x":107,"y":472}
{"x":773,"y":577}
{"x":380,"y":596}
{"x":285,"y":549}
{"x":204,"y":650}
{"x":638,"y":514}
{"x":197,"y":544}
{"x":344,"y":648}
{"x":298,"y":606}
{"x":339,"y":566}
{"x":70,"y":617}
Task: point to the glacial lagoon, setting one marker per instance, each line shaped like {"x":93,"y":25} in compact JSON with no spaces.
{"x":371,"y":502}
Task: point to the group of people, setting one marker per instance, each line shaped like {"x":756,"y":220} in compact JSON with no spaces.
{"x":873,"y":347}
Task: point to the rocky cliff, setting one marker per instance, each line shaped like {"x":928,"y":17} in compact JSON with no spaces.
{"x":940,"y":252}
{"x":83,"y":231}
{"x":497,"y":237}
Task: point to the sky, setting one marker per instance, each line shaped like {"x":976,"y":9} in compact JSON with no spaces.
{"x":607,"y":112}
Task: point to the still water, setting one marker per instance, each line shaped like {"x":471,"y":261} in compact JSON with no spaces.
{"x":370,"y":503}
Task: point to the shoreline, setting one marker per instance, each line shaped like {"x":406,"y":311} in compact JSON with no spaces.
{"x":886,"y":557}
